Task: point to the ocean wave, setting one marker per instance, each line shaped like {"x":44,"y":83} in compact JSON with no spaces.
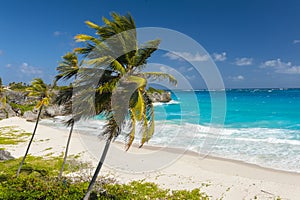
{"x":267,"y":147}
{"x":167,"y":103}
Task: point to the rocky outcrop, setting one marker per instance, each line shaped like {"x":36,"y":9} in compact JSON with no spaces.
{"x":53,"y":110}
{"x":160,"y":96}
{"x":30,"y":116}
{"x":22,"y":98}
{"x":5,"y":155}
{"x":6,"y":112}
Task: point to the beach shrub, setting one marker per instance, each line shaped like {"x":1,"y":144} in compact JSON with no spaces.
{"x":145,"y":190}
{"x":38,"y":180}
{"x":34,"y":186}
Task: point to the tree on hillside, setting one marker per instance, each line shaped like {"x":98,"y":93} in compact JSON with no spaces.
{"x":110,"y":81}
{"x":39,"y":89}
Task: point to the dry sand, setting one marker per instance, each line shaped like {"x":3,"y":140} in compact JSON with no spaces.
{"x":170,"y":168}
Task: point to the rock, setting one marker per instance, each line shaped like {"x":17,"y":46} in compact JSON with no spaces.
{"x":6,"y":112}
{"x":5,"y":155}
{"x":20,"y":98}
{"x":30,"y":116}
{"x":3,"y":114}
{"x":160,"y":97}
{"x":54,"y":110}
{"x":10,"y":111}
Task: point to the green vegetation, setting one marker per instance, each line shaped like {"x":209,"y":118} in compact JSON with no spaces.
{"x":152,"y":90}
{"x":9,"y":135}
{"x":23,"y":108}
{"x":18,"y":86}
{"x":141,"y":190}
{"x":38,"y":180}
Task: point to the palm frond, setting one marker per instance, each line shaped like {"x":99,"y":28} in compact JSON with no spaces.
{"x":64,"y":96}
{"x":160,"y":76}
{"x":148,"y":120}
{"x":39,"y":89}
{"x":111,"y":129}
{"x":145,"y":51}
{"x":139,"y":81}
{"x":131,"y":134}
{"x":139,"y":106}
{"x":68,"y":68}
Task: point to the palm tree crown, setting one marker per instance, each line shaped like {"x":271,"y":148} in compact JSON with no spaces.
{"x":115,"y":60}
{"x":39,"y":89}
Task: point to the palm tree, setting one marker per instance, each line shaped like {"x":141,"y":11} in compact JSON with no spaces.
{"x":111,"y":75}
{"x":39,"y":89}
{"x":67,"y":69}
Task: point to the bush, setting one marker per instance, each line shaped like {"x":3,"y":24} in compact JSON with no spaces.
{"x":23,"y":108}
{"x":38,"y":180}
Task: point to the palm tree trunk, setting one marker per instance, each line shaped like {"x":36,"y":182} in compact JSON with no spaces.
{"x":28,"y":147}
{"x":66,"y":152}
{"x":93,"y":181}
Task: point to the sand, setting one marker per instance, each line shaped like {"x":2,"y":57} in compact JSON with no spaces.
{"x":170,"y":168}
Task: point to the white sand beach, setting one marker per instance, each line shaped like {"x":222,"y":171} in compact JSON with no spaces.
{"x":170,"y":168}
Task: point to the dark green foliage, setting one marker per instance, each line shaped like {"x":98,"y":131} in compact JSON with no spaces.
{"x":37,"y":187}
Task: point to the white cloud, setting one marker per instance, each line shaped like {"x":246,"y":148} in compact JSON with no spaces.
{"x":296,"y":41}
{"x":1,"y":52}
{"x":8,"y":65}
{"x":237,"y":78}
{"x":163,"y":69}
{"x":240,"y":77}
{"x":243,"y":61}
{"x":191,"y":77}
{"x":58,"y":33}
{"x":281,"y":67}
{"x":187,"y":56}
{"x":26,"y":69}
{"x":219,"y":56}
{"x":190,"y":69}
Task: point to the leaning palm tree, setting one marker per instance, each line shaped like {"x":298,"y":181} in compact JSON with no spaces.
{"x":110,"y":82}
{"x":39,"y":89}
{"x":67,"y":69}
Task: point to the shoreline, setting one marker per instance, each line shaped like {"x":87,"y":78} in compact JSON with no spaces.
{"x":202,"y":156}
{"x":218,"y":177}
{"x":190,"y":151}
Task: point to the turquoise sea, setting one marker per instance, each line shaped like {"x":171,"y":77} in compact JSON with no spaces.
{"x":258,"y":126}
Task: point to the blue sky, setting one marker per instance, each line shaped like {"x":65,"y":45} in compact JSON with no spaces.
{"x":253,"y":43}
